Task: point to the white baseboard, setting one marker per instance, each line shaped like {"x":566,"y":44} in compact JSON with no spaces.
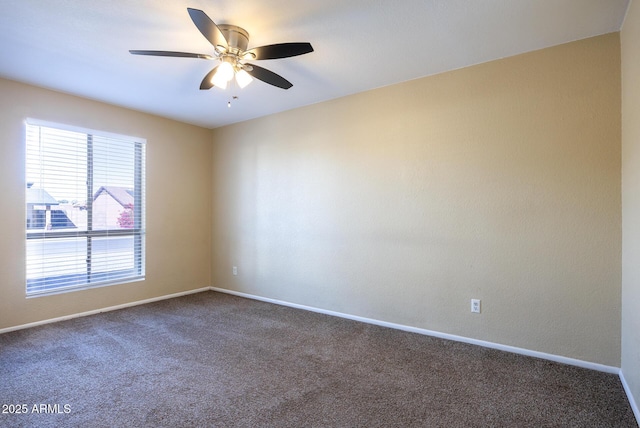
{"x":507,"y":348}
{"x":483,"y":343}
{"x":107,"y":309}
{"x":632,"y":400}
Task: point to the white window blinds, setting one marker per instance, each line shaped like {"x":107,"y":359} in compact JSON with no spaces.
{"x":84,"y":208}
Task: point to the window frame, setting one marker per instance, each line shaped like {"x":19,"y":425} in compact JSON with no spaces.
{"x":138,"y":230}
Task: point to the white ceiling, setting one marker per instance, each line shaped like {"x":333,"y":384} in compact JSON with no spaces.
{"x":81,"y":46}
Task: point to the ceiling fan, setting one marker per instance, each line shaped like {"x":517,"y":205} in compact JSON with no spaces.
{"x":230,"y":48}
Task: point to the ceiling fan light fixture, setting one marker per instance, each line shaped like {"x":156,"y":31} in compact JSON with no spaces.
{"x":243,"y":78}
{"x":219,"y":83}
{"x":230,"y":44}
{"x":225,"y":70}
{"x":219,"y":80}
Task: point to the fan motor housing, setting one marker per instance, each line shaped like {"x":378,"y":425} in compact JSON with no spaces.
{"x":237,"y":37}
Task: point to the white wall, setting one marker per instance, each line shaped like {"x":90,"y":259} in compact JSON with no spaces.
{"x":630,"y":39}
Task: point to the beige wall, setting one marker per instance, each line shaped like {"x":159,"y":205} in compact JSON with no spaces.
{"x":499,"y":182}
{"x":178,"y":203}
{"x":630,"y":39}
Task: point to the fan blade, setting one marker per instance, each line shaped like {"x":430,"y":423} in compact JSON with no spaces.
{"x":280,"y":50}
{"x":206,"y":82}
{"x":208,"y":28}
{"x":171,"y":53}
{"x":268,"y":76}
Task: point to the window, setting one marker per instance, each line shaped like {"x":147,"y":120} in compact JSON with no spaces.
{"x":84,"y":208}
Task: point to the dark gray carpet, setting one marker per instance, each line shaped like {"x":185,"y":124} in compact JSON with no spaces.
{"x":215,"y":360}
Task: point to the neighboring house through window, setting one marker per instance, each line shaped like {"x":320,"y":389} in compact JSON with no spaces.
{"x":84,"y":208}
{"x":113,"y":207}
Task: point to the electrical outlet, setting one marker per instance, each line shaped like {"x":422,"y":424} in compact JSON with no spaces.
{"x":475,"y":306}
{"x":235,"y":270}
